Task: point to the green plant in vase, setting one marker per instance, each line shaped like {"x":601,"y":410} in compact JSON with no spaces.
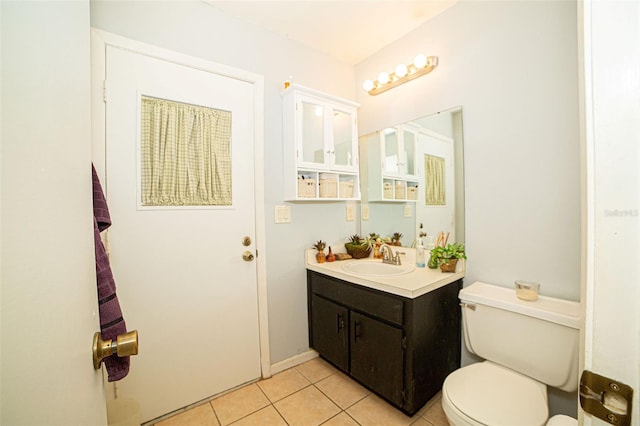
{"x":359,"y":247}
{"x":446,"y":257}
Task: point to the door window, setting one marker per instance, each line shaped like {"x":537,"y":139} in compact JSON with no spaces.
{"x":185,"y":154}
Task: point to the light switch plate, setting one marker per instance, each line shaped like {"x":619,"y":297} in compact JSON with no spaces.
{"x":365,"y":212}
{"x":351,"y":212}
{"x":407,"y":210}
{"x":283,"y":214}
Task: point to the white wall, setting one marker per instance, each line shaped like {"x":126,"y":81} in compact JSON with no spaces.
{"x":198,"y":29}
{"x":513,"y":67}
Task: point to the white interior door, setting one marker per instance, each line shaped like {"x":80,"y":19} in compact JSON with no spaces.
{"x":181,"y":276}
{"x":48,"y":303}
{"x":612,"y":288}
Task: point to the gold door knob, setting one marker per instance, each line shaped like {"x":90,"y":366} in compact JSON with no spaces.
{"x":125,"y":345}
{"x":247,"y":256}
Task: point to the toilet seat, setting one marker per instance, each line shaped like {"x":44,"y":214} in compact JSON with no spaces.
{"x":489,"y":394}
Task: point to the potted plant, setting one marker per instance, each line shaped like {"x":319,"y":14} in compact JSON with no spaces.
{"x":395,"y":239}
{"x":359,"y":247}
{"x":320,"y":256}
{"x":447,"y":257}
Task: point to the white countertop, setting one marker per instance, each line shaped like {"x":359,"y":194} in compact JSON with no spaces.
{"x":410,"y":285}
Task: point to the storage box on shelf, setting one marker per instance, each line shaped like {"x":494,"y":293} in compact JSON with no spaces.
{"x":320,"y":146}
{"x":412,"y":191}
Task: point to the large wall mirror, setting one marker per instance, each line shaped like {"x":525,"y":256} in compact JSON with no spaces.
{"x":412,"y":179}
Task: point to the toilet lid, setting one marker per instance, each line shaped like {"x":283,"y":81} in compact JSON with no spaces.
{"x":493,"y":395}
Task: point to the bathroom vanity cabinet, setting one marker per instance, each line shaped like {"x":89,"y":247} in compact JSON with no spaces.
{"x":400,"y":348}
{"x":320,"y":146}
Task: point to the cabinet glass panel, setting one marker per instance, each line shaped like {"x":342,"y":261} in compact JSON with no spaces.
{"x":409,"y":152}
{"x":342,"y":138}
{"x":313,"y":133}
{"x":391,"y":153}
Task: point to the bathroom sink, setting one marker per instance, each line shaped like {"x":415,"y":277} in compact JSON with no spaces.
{"x":376,"y":268}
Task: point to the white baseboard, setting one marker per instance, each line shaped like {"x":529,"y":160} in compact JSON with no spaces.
{"x":293,"y":361}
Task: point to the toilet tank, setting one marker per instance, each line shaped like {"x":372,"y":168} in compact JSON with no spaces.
{"x":539,"y":338}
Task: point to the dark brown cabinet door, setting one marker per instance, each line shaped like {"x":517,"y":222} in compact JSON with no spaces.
{"x":329,"y":331}
{"x":377,"y":357}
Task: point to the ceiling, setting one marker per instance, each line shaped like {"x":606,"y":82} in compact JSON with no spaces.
{"x":350,"y":30}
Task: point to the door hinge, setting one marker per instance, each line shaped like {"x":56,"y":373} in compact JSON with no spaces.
{"x":403,"y":394}
{"x":104,"y":91}
{"x":607,"y":399}
{"x":404,"y":343}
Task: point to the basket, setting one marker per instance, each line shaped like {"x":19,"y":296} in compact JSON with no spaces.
{"x":346,"y":189}
{"x":358,"y":252}
{"x":328,"y":186}
{"x":401,"y":190}
{"x":306,"y":187}
{"x":448,"y":265}
{"x":412,"y":193}
{"x":387,"y":191}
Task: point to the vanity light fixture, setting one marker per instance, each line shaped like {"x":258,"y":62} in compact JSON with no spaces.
{"x":421,"y":65}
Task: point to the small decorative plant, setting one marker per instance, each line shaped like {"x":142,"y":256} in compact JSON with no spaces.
{"x":359,"y":247}
{"x":320,"y":246}
{"x":447,"y":256}
{"x":395,"y":239}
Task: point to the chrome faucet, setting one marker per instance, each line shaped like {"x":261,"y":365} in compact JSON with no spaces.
{"x":389,"y":257}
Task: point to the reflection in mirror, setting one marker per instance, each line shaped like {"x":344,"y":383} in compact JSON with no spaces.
{"x":313,"y":128}
{"x":412,"y":179}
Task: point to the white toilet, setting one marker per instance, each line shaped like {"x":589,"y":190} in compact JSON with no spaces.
{"x":527,"y":345}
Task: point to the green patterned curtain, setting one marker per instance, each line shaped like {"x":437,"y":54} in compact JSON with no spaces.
{"x":435,"y":181}
{"x":185,"y":154}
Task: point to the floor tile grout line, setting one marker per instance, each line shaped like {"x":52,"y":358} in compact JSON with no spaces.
{"x":246,"y":415}
{"x":280,"y":414}
{"x":336,"y":403}
{"x":214,"y":412}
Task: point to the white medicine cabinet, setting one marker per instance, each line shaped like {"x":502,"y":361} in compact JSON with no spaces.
{"x":390,"y":166}
{"x":320,"y":146}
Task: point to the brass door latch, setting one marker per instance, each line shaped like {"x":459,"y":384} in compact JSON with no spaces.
{"x":125,"y":345}
{"x":607,"y":399}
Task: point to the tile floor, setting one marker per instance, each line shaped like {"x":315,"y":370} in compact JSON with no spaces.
{"x":313,"y":393}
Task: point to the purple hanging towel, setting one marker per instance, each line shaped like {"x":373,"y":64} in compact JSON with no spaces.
{"x":111,"y":322}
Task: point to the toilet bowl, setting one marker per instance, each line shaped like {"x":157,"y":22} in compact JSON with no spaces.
{"x":527,"y":346}
{"x":496,"y":396}
{"x":493,"y":395}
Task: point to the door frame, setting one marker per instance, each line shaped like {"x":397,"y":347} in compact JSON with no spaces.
{"x":618,"y":293}
{"x":99,"y":41}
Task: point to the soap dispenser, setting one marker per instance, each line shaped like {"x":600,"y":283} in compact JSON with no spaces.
{"x":419,"y":254}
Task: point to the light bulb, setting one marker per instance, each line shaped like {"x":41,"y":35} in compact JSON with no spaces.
{"x":401,"y":70}
{"x":367,"y":85}
{"x":383,"y":77}
{"x":420,"y":61}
